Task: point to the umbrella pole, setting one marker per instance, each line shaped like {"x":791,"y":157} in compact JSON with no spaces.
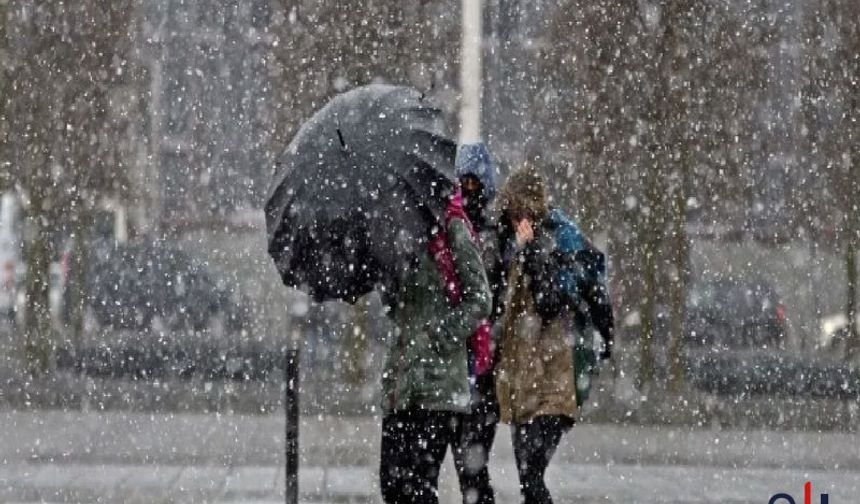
{"x":471,"y":72}
{"x":291,"y":412}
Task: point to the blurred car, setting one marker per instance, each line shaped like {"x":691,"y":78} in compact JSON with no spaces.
{"x":741,"y":311}
{"x":760,"y":372}
{"x":835,"y":331}
{"x":130,"y":285}
{"x":727,"y":312}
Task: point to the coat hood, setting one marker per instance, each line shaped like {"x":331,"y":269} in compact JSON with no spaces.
{"x":474,"y":159}
{"x":525,"y":192}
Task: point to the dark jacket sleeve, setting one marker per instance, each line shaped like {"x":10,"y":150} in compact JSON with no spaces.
{"x":453,"y":328}
{"x":595,"y":293}
{"x":491,"y":254}
{"x":541,"y":264}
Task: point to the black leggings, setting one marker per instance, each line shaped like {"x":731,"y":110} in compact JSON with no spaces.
{"x":535,"y":443}
{"x":476,"y":441}
{"x":413,"y":446}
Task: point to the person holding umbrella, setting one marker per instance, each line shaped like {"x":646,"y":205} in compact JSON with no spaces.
{"x":365,"y":198}
{"x":535,"y":375}
{"x":475,"y":171}
{"x":436,"y":307}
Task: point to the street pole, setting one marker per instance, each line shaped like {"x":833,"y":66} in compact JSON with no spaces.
{"x":291,"y":411}
{"x":471,"y":72}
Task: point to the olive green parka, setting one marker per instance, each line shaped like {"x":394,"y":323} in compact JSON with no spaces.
{"x":427,"y":364}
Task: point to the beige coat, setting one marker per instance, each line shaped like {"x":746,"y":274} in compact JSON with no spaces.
{"x":534,"y":375}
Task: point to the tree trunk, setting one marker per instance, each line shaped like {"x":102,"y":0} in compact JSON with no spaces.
{"x":77,"y":286}
{"x":649,"y":243}
{"x":681,"y":252}
{"x":681,"y":259}
{"x":37,"y":251}
{"x":647,"y":310}
{"x":853,"y":344}
{"x":849,"y":187}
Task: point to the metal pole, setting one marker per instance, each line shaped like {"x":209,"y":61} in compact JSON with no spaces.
{"x":471,"y":72}
{"x":291,"y":412}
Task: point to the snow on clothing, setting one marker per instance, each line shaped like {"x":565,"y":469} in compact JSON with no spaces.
{"x":564,"y":297}
{"x":581,"y":276}
{"x":479,"y":342}
{"x":535,"y":443}
{"x":426,"y":390}
{"x":414,"y":444}
{"x":478,"y":430}
{"x":575,"y":278}
{"x":485,"y":404}
{"x":479,"y":427}
{"x":573,"y":281}
{"x":427,"y":365}
{"x":534,"y":375}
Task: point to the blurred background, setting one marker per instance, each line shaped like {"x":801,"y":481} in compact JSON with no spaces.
{"x":710,"y":148}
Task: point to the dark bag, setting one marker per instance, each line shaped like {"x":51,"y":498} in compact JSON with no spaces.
{"x":580,"y":278}
{"x":568,"y":275}
{"x":584,"y":367}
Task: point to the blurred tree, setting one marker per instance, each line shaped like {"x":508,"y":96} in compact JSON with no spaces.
{"x":64,"y":59}
{"x":812,"y":206}
{"x":93,"y":149}
{"x":843,"y":171}
{"x":695,"y":85}
{"x":667,"y":29}
{"x":591,"y":63}
{"x":587,"y":111}
{"x":324,"y":48}
{"x":815,"y":84}
{"x":653,"y":123}
{"x":679,"y":50}
{"x":5,"y":73}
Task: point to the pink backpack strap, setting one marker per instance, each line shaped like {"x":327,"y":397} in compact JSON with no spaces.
{"x":441,"y":252}
{"x":455,"y":210}
{"x":480,"y":342}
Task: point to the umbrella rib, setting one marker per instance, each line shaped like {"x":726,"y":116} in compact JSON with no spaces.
{"x":342,"y":142}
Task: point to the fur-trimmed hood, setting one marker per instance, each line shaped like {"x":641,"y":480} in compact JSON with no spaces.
{"x":525,"y":192}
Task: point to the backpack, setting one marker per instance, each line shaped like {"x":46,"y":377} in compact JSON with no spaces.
{"x":580,"y":276}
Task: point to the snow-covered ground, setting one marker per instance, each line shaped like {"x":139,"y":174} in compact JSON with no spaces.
{"x":141,"y":457}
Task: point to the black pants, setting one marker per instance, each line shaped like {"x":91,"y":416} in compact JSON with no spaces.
{"x":413,"y":446}
{"x":476,"y":440}
{"x":534,"y":445}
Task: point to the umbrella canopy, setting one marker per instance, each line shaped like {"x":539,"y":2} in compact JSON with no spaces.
{"x":357,"y":191}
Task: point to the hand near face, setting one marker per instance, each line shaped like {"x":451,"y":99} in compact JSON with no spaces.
{"x":524,"y":232}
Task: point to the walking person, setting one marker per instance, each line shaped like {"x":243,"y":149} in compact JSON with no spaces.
{"x":535,"y":376}
{"x":438,"y":304}
{"x":475,"y":171}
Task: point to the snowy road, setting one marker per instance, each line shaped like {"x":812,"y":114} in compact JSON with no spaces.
{"x":573,"y":483}
{"x":137,"y":457}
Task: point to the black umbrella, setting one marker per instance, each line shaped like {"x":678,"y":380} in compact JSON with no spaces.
{"x":358,"y":189}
